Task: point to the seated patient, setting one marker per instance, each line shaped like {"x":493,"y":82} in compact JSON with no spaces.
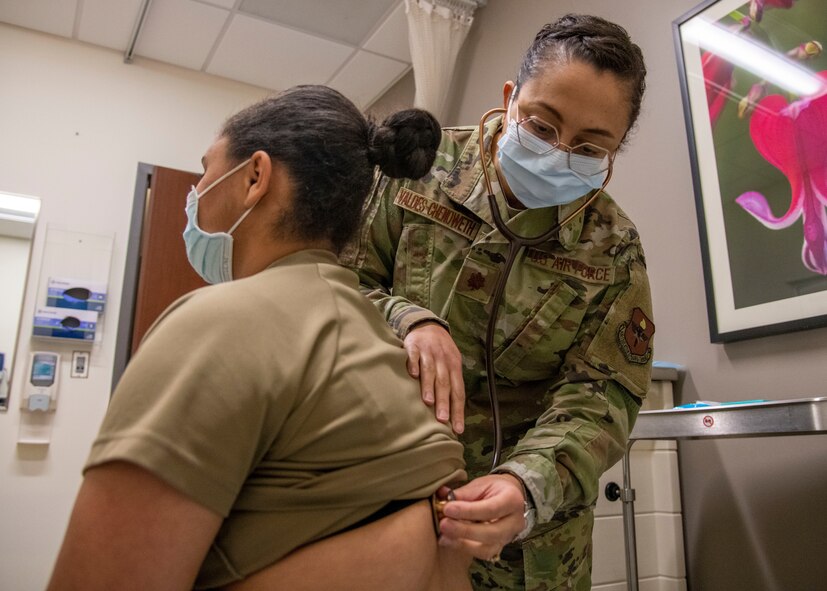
{"x":274,"y":409}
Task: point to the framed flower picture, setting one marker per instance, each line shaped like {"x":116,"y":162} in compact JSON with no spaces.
{"x":754,"y":86}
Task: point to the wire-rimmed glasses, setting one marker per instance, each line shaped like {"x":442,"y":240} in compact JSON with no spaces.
{"x":542,"y":137}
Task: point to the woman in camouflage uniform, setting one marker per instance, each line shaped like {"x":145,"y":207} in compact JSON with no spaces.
{"x":572,"y":347}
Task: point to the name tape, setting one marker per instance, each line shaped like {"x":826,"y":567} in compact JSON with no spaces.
{"x":435,"y":211}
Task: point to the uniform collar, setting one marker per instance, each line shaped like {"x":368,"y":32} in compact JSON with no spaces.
{"x":306,"y":256}
{"x":465,"y":186}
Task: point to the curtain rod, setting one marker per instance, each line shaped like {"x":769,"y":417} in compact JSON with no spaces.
{"x":460,"y":5}
{"x":136,"y":31}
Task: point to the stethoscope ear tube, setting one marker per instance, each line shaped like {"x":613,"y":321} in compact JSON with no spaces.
{"x":516,"y":242}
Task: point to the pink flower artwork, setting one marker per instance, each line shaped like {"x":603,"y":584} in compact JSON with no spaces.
{"x":793,"y":138}
{"x":756,"y":7}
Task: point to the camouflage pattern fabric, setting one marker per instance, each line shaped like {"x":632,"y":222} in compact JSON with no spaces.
{"x":532,"y":566}
{"x":572,"y":348}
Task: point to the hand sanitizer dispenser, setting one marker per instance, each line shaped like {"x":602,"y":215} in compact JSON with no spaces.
{"x":40,"y":391}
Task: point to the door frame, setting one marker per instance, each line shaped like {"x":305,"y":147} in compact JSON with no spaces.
{"x":129,"y":291}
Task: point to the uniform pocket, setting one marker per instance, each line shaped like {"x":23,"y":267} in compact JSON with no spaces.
{"x":535,"y":351}
{"x":413,"y":270}
{"x":561,"y":558}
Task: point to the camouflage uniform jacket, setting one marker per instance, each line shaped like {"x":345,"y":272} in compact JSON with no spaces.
{"x":572,"y":348}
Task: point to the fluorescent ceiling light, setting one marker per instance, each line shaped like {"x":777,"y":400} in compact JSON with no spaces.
{"x":18,"y":208}
{"x":758,"y":59}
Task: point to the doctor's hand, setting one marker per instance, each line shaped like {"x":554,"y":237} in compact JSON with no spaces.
{"x":433,"y":357}
{"x":486,"y":515}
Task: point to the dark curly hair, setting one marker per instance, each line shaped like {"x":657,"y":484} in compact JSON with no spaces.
{"x":330,"y":150}
{"x":595,"y":41}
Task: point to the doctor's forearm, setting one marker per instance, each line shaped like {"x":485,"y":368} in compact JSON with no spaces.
{"x":573,"y":443}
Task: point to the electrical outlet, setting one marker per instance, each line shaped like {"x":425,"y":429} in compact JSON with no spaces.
{"x":80,"y":364}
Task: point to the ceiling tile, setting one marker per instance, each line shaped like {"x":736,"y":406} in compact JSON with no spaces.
{"x":50,"y":16}
{"x":108,"y":22}
{"x":344,"y":20}
{"x":367,"y":76}
{"x":228,"y":4}
{"x":264,"y":54}
{"x":391,"y":38}
{"x":180,"y":32}
{"x":216,"y":36}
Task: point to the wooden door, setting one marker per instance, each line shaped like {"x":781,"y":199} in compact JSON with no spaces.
{"x":156,"y":271}
{"x":164,"y":274}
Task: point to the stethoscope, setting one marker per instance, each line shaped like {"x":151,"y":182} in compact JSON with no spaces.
{"x":515,"y":243}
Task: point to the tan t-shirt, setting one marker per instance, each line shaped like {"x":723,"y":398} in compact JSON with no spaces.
{"x":280,"y":401}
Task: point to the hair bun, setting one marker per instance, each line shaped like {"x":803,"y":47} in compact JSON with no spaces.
{"x":405,"y":144}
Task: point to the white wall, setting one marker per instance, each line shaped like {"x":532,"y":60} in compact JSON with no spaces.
{"x":76,"y":122}
{"x":754,"y":508}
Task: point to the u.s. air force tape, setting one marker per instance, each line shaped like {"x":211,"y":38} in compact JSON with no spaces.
{"x":569,"y":266}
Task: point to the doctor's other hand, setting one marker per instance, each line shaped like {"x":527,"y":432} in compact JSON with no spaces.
{"x":486,"y":515}
{"x":433,"y":357}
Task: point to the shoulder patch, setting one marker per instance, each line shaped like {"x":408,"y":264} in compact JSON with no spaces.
{"x":634,"y":336}
{"x":436,"y":212}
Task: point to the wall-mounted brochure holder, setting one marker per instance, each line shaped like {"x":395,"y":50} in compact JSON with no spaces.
{"x":64,"y":324}
{"x":72,"y":291}
{"x":76,"y":294}
{"x":67,"y":315}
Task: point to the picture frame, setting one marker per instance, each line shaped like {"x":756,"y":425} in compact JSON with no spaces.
{"x":753,"y":78}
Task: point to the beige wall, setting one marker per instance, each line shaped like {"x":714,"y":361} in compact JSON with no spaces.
{"x":399,"y":96}
{"x":75,"y":122}
{"x":754,"y":508}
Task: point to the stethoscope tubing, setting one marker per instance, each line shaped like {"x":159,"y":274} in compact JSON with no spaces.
{"x":516,"y":242}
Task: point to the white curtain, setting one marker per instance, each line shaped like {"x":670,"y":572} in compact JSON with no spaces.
{"x":436,"y":32}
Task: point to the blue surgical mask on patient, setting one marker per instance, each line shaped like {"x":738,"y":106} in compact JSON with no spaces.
{"x":210,"y":254}
{"x":541,"y":176}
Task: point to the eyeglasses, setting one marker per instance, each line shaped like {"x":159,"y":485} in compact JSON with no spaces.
{"x":585,"y":158}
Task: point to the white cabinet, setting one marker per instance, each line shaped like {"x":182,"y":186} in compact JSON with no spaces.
{"x":659,"y":530}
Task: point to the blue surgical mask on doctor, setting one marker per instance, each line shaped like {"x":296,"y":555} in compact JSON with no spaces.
{"x":210,"y":254}
{"x":540,"y":173}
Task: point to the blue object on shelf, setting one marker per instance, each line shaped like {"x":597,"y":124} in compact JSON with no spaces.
{"x":60,"y":323}
{"x":699,"y":404}
{"x":707,"y":403}
{"x":76,"y":294}
{"x":667,"y":364}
